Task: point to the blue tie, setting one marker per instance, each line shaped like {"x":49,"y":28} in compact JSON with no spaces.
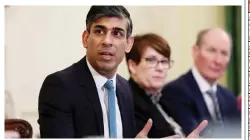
{"x":111,"y":109}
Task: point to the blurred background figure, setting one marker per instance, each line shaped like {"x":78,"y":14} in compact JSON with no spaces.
{"x":13,"y":125}
{"x":197,"y":94}
{"x":10,"y":108}
{"x":148,"y":63}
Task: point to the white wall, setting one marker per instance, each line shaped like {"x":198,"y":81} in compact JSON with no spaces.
{"x":41,"y":40}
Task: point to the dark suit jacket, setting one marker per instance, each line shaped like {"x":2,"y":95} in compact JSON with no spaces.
{"x":185,"y":102}
{"x":145,"y":109}
{"x":69,"y":105}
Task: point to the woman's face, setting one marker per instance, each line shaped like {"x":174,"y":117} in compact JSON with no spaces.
{"x":151,"y":72}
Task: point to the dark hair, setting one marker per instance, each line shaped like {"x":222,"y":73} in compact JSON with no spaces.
{"x":96,"y":12}
{"x":152,"y":40}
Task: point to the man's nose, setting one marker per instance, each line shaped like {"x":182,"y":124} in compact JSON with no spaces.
{"x":107,"y":40}
{"x":218,"y":59}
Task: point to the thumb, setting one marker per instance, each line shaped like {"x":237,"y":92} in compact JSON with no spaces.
{"x":146,"y":129}
{"x":201,"y":127}
{"x":197,"y":131}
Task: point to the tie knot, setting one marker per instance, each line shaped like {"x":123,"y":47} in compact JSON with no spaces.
{"x":209,"y":91}
{"x":109,"y":84}
{"x":155,"y":97}
{"x":212,"y":94}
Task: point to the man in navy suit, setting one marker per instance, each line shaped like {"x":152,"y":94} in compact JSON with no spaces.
{"x":196,"y":95}
{"x":89,"y":99}
{"x":73,"y":102}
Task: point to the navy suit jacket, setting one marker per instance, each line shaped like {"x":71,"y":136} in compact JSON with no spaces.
{"x":186,"y":105}
{"x":69,"y":105}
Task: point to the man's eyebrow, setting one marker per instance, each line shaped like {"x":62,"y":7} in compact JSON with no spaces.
{"x":118,"y":29}
{"x":100,"y":26}
{"x":114,"y":28}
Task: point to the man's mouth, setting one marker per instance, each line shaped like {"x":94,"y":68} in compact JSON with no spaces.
{"x":106,"y":55}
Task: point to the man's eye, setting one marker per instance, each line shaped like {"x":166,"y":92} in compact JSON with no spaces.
{"x":99,"y":31}
{"x":212,"y":50}
{"x":118,"y":33}
{"x":224,"y":53}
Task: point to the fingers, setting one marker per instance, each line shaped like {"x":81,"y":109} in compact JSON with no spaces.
{"x":144,"y":132}
{"x":201,"y":127}
{"x":147,"y":127}
{"x":196,"y":132}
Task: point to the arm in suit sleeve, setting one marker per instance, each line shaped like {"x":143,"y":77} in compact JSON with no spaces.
{"x":133,"y":121}
{"x":232,"y":112}
{"x":180,"y":107}
{"x":140,"y":121}
{"x":54,"y":107}
{"x":236,"y":113}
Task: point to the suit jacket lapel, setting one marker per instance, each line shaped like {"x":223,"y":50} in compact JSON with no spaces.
{"x":197,"y":95}
{"x":122,"y":106}
{"x":221,"y":101}
{"x":86,"y":80}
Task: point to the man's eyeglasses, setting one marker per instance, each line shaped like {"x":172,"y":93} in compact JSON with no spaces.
{"x":153,"y":62}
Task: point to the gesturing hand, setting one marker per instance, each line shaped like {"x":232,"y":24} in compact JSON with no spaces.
{"x":144,"y":132}
{"x":194,"y":134}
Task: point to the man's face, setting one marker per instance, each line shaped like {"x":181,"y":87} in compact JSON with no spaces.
{"x":213,"y":55}
{"x":107,"y":43}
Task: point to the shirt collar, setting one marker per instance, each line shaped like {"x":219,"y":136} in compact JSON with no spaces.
{"x":99,"y":79}
{"x":203,"y":83}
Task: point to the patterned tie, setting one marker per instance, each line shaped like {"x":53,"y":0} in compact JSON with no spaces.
{"x":213,"y":96}
{"x":155,"y":98}
{"x":111,"y":109}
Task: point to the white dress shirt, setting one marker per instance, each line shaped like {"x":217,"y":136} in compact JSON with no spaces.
{"x":204,"y":86}
{"x":103,"y":97}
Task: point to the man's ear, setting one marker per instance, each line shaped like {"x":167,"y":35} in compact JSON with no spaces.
{"x":130,"y":44}
{"x":195,"y":50}
{"x":131,"y":66}
{"x":85,"y":36}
